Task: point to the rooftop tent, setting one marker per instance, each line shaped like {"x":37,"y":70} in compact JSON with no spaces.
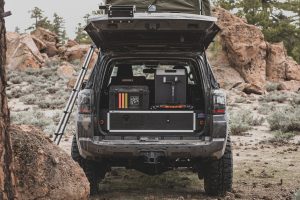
{"x":182,"y":6}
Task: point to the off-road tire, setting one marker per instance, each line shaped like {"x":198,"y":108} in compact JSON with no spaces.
{"x":94,"y":171}
{"x":218,"y":174}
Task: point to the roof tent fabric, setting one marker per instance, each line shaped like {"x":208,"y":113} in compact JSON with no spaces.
{"x":183,"y":6}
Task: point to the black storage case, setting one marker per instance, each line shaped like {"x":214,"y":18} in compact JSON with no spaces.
{"x":170,"y":87}
{"x":129,"y":97}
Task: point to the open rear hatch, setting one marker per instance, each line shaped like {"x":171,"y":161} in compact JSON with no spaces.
{"x":153,"y":32}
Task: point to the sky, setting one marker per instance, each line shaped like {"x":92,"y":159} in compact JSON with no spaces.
{"x":72,"y":11}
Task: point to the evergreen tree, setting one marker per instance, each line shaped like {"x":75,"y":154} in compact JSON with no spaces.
{"x":226,"y":4}
{"x":81,"y":36}
{"x":17,"y":29}
{"x":58,"y":27}
{"x":40,"y":19}
{"x":37,"y":15}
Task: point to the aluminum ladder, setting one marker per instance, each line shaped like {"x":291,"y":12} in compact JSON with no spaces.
{"x":72,"y":99}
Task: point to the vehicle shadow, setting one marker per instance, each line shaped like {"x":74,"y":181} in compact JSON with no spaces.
{"x":130,"y":184}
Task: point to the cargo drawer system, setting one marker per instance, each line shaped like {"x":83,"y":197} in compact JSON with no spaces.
{"x":151,"y":121}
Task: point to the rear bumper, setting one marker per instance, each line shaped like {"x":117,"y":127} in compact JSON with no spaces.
{"x":93,"y":148}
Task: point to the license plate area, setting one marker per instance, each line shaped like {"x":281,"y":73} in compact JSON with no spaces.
{"x":151,"y":121}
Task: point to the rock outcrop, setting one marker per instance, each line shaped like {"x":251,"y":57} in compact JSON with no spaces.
{"x":22,"y":52}
{"x":244,"y":46}
{"x":43,"y":170}
{"x":247,"y":52}
{"x":49,"y":39}
{"x":78,"y":53}
{"x":66,"y":71}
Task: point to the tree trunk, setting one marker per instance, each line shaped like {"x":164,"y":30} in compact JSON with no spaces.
{"x":7,"y":181}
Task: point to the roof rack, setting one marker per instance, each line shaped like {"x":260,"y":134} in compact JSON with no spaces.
{"x":119,"y":10}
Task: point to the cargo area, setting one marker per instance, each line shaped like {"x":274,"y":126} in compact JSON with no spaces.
{"x":141,"y":97}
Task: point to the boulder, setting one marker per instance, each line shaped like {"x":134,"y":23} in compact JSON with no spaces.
{"x":281,"y":67}
{"x":50,"y":39}
{"x":244,"y":47}
{"x":72,"y":81}
{"x":292,"y":70}
{"x":78,"y":53}
{"x":276,"y":62}
{"x":252,"y":89}
{"x":226,"y":75}
{"x":45,"y":35}
{"x":51,"y":49}
{"x":292,"y":85}
{"x":71,"y":43}
{"x":66,"y":71}
{"x":39,"y":43}
{"x":43,"y":170}
{"x":22,"y":52}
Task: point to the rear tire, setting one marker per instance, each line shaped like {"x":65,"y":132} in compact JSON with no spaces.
{"x":218,"y":174}
{"x":93,"y":170}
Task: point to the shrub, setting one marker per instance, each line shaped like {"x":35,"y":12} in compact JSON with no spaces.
{"x":240,"y":100}
{"x":286,"y":119}
{"x":52,"y":90}
{"x":29,"y":99}
{"x":239,"y":123}
{"x":271,"y":86}
{"x":279,"y":97}
{"x":282,"y":137}
{"x":16,"y":80}
{"x":257,"y":121}
{"x":52,"y":62}
{"x":265,"y":109}
{"x":243,"y":121}
{"x":30,"y":79}
{"x":51,"y":103}
{"x":15,"y":93}
{"x":32,"y":71}
{"x":34,"y":118}
{"x":48,"y":72}
{"x":296,"y":100}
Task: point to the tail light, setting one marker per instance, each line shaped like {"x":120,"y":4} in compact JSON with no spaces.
{"x":84,"y":102}
{"x":219,"y":103}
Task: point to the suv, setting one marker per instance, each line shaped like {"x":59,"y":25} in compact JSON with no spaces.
{"x":151,"y":102}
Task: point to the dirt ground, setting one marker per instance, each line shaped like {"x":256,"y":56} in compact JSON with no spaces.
{"x":262,"y":170}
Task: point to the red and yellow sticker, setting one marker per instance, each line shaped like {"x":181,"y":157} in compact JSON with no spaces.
{"x":123,"y":100}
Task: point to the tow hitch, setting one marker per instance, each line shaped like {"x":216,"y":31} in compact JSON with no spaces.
{"x":152,"y":157}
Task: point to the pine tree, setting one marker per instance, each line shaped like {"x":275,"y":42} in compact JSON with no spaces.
{"x":226,"y":4}
{"x":40,"y":19}
{"x":81,"y":36}
{"x":17,"y":29}
{"x":37,"y":15}
{"x":58,"y":27}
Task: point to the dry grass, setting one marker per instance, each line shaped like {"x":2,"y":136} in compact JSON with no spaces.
{"x":242,"y":121}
